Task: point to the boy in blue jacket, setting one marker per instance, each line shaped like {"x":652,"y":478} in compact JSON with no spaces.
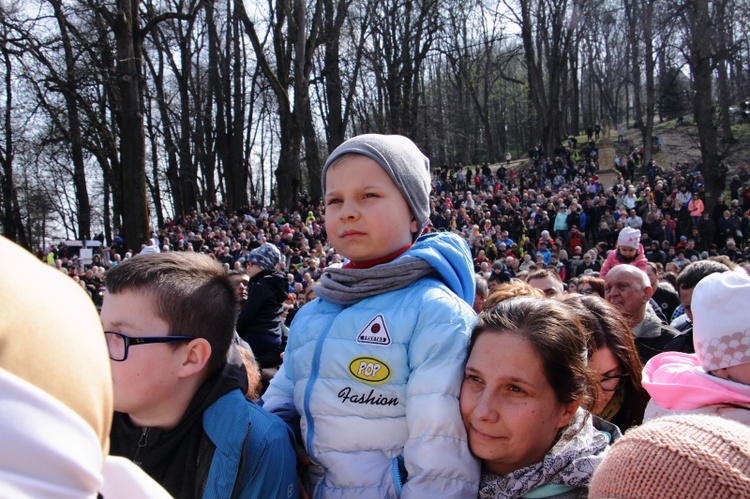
{"x":374,"y":365}
{"x":179,"y":384}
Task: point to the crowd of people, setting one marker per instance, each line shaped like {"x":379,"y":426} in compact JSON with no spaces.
{"x":465,"y":333}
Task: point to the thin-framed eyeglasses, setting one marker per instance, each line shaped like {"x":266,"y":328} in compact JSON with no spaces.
{"x":613,"y":383}
{"x":119,"y":344}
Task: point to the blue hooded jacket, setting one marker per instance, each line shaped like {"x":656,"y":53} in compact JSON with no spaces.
{"x":377,"y":383}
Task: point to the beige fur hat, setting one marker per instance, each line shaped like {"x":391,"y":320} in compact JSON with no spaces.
{"x":51,"y":337}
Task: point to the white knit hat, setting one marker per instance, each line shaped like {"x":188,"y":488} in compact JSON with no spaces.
{"x":721,"y":323}
{"x":629,"y":237}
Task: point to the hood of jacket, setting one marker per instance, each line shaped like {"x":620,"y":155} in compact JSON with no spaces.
{"x":449,"y":255}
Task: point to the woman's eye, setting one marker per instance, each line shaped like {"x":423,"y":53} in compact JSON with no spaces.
{"x":333,"y":201}
{"x":515,"y":389}
{"x":370,"y":195}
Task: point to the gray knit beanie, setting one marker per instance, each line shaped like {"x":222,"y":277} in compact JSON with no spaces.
{"x":404,"y":163}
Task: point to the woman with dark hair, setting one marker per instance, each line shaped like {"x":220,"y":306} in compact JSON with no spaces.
{"x":613,"y":355}
{"x":525,"y":385}
{"x":591,"y":285}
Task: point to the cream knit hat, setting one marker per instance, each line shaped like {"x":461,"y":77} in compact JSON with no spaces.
{"x":721,"y":325}
{"x":677,"y":456}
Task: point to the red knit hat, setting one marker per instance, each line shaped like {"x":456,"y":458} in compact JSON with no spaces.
{"x":677,"y":456}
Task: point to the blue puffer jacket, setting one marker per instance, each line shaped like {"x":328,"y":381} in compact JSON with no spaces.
{"x":377,"y":385}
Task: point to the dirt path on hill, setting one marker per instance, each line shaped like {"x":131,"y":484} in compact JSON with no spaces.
{"x":679,"y":145}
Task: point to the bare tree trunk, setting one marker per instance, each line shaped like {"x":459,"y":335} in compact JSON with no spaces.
{"x":721,"y":59}
{"x":188,"y":168}
{"x":632,"y":19}
{"x":575,"y":104}
{"x":239,"y":181}
{"x":627,"y":97}
{"x":70,"y":93}
{"x":170,"y":148}
{"x":218,"y":91}
{"x":107,"y":188}
{"x":312,"y":157}
{"x":546,"y":61}
{"x":648,"y":128}
{"x":154,"y":186}
{"x":206,"y":133}
{"x":132,"y":138}
{"x":106,"y":121}
{"x":296,"y":60}
{"x":333,"y":15}
{"x":699,"y":59}
{"x":13,"y":227}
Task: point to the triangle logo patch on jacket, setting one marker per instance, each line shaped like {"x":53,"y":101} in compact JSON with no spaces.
{"x":375,"y":333}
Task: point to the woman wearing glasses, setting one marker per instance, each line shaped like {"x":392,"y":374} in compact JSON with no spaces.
{"x":591,"y":285}
{"x":622,"y":400}
{"x":522,"y":400}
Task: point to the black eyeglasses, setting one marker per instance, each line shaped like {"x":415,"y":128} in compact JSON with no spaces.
{"x":119,"y":343}
{"x":587,"y":291}
{"x":613,"y":383}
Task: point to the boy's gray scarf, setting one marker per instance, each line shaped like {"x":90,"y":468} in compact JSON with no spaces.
{"x":348,"y":286}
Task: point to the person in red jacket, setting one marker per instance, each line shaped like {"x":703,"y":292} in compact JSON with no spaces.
{"x":575,"y":239}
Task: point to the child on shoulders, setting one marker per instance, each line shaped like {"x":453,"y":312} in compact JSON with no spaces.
{"x":374,"y":365}
{"x":629,"y":251}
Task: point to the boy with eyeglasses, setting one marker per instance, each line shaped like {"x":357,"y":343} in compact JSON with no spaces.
{"x":179,"y":385}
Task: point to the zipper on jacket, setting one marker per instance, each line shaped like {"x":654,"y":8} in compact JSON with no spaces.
{"x":237,"y":492}
{"x":142,"y":442}
{"x":398,"y":472}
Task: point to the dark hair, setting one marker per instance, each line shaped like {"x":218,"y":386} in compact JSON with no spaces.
{"x":694,"y":272}
{"x":190,"y":292}
{"x":724,"y":259}
{"x":670,"y":278}
{"x":556,"y":335}
{"x":609,"y":329}
{"x":596,"y":283}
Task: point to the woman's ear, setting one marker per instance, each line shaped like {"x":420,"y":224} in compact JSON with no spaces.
{"x":196,"y":356}
{"x":568,"y":411}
